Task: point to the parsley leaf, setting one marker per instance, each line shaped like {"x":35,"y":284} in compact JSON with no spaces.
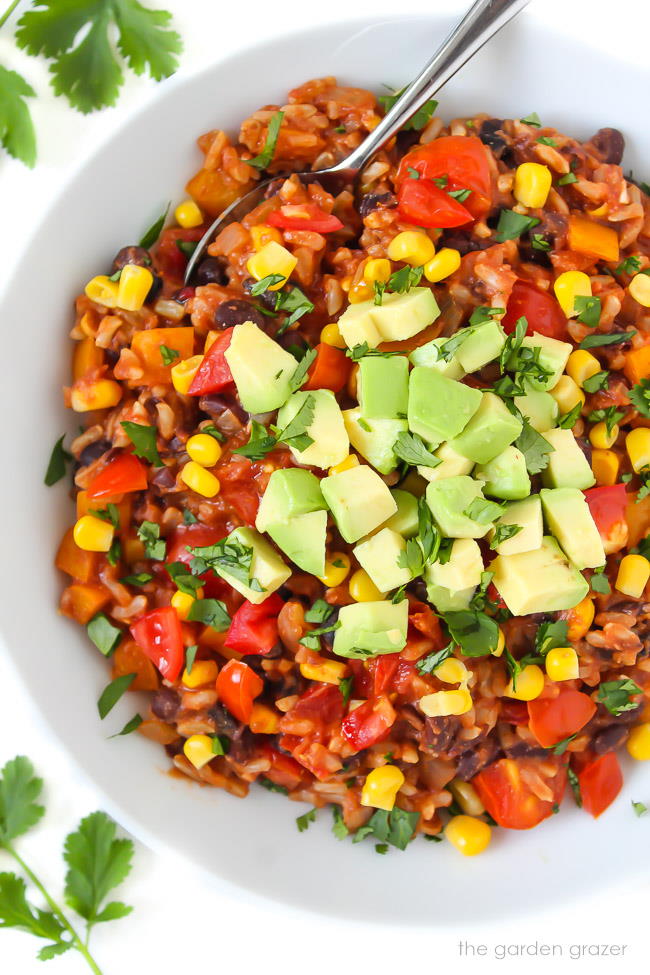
{"x":602,"y":338}
{"x":598,"y":381}
{"x":168,"y":355}
{"x":112,"y":693}
{"x":503,"y":532}
{"x":17,"y":134}
{"x":155,"y":547}
{"x":103,"y":634}
{"x":475,"y":633}
{"x":640,"y":397}
{"x":17,"y":912}
{"x":588,"y":309}
{"x":303,"y":822}
{"x":212,"y":612}
{"x":428,"y":664}
{"x":260,"y":443}
{"x":265,"y":157}
{"x":410,"y":448}
{"x":534,"y":447}
{"x":551,"y":635}
{"x":143,"y":438}
{"x":19,"y":790}
{"x":300,"y":375}
{"x":97,"y":863}
{"x":532,"y":119}
{"x":512,"y":225}
{"x":56,"y":467}
{"x":568,"y":420}
{"x":617,"y":695}
{"x":319,"y":612}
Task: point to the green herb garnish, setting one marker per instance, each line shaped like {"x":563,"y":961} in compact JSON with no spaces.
{"x":144,"y":440}
{"x":265,"y":157}
{"x":59,"y":458}
{"x":512,"y":225}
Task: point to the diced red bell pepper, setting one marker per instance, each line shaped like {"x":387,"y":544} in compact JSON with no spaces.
{"x":539,"y":308}
{"x":330,"y":369}
{"x":304,"y":216}
{"x":214,"y":373}
{"x":553,"y":719}
{"x":121,"y":475}
{"x":158,"y":634}
{"x":607,"y":506}
{"x":237,"y":687}
{"x":421,"y":202}
{"x":254,"y":628}
{"x":369,"y":723}
{"x":600,"y":783}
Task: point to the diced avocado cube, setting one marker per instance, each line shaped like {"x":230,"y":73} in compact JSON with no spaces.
{"x":567,"y":465}
{"x":405,"y":519}
{"x":383,"y":387}
{"x":327,"y":429}
{"x":290,"y":492}
{"x":539,"y":408}
{"x":553,"y":357}
{"x":379,"y":556}
{"x":429,"y":355}
{"x":266,"y":566}
{"x":374,"y":439}
{"x":451,"y":464}
{"x":401,"y":316}
{"x":489,"y":431}
{"x":505,"y":475}
{"x":357,"y":326}
{"x":260,"y":367}
{"x":528,"y":515}
{"x":439,"y":408}
{"x":462,"y":570}
{"x":449,"y":499}
{"x":359,"y":501}
{"x":446,"y":601}
{"x":483,"y":344}
{"x":371,"y":628}
{"x":568,"y":516}
{"x":302,"y":539}
{"x":542,"y":581}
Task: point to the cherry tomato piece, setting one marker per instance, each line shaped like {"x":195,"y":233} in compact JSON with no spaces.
{"x":238,"y":686}
{"x":421,"y":202}
{"x":510,"y":801}
{"x":539,"y":308}
{"x":254,"y":628}
{"x":600,"y":783}
{"x":121,"y":475}
{"x":607,"y":506}
{"x":214,"y":373}
{"x":368,"y":723}
{"x":552,"y":720}
{"x":158,"y":634}
{"x":460,"y":161}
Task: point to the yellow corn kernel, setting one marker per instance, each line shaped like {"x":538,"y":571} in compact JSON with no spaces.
{"x":568,"y":287}
{"x":337,"y":567}
{"x":198,"y":750}
{"x":411,"y":246}
{"x":325,"y":671}
{"x":443,"y":703}
{"x":638,"y":744}
{"x":580,"y":619}
{"x":362,"y":588}
{"x":262,"y":234}
{"x":467,"y":797}
{"x":468,"y":835}
{"x":92,"y":534}
{"x":184,"y":372}
{"x":637,"y":444}
{"x":633,"y":575}
{"x":360,"y":292}
{"x":200,"y":480}
{"x":204,"y":449}
{"x":532,"y":184}
{"x":442,"y":265}
{"x":601,"y":438}
{"x":210,"y":339}
{"x":381,"y":787}
{"x":273,"y":258}
{"x":188,"y":215}
{"x":350,"y":461}
{"x":100,"y":395}
{"x":582,"y":365}
{"x":103,"y":291}
{"x":605,"y":465}
{"x":501,"y":644}
{"x":330,"y":335}
{"x":202,"y":672}
{"x":567,"y":394}
{"x":452,"y":671}
{"x":264,"y":720}
{"x":134,"y":286}
{"x":639,"y":288}
{"x":182,"y":603}
{"x":562,"y":664}
{"x":377,"y":269}
{"x":529,"y":684}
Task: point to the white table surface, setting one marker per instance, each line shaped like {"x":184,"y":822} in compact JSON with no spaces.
{"x":181,"y":922}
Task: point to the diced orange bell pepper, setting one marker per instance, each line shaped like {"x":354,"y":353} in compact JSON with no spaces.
{"x":637,"y":364}
{"x":637,"y":516}
{"x":330,"y":369}
{"x":587,"y":237}
{"x":81,"y":601}
{"x":146,"y":345}
{"x":75,"y":561}
{"x":124,"y":505}
{"x":86,"y":357}
{"x":215,"y":190}
{"x":130,"y":659}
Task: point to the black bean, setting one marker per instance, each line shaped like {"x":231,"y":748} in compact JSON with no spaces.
{"x":521,"y":749}
{"x":215,"y":405}
{"x":609,"y":739}
{"x":131,"y":254}
{"x":163,"y":481}
{"x":210,"y":271}
{"x":406,"y":139}
{"x":585,"y":447}
{"x":235,"y":311}
{"x":490,"y":138}
{"x":155,"y":289}
{"x":274,"y":187}
{"x":474,"y":759}
{"x":374,"y":201}
{"x":93,"y":452}
{"x":112,"y":356}
{"x":463,"y":243}
{"x":267,"y":298}
{"x":610,"y":144}
{"x":223,"y":720}
{"x":165,"y":704}
{"x":242,"y":746}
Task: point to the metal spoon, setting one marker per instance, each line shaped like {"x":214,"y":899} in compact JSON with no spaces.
{"x":481,"y":22}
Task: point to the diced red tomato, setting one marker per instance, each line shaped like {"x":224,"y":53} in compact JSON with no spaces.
{"x":169,"y":258}
{"x":607,"y":506}
{"x":495,"y":597}
{"x":304,"y":216}
{"x":313,"y":756}
{"x":421,"y":202}
{"x":243,"y":497}
{"x":425,"y":621}
{"x":508,"y":798}
{"x":600,"y":783}
{"x":462,"y":159}
{"x":254,"y":628}
{"x":383,"y":670}
{"x":191,"y":536}
{"x":320,"y":702}
{"x":369,"y":723}
{"x":284,"y":769}
{"x":158,"y":634}
{"x":552,"y":720}
{"x":238,"y":686}
{"x":122,"y":474}
{"x":539,"y":308}
{"x":214,"y":373}
{"x":330,"y":369}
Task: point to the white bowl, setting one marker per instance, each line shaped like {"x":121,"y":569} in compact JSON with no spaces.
{"x":254,"y":844}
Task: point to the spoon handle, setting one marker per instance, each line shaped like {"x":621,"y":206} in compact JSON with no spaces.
{"x":479,"y":24}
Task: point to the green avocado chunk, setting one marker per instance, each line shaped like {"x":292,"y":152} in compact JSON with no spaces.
{"x":505,"y":475}
{"x":488,"y":432}
{"x":483,"y":344}
{"x":553,"y":356}
{"x":379,"y":556}
{"x":383,"y":387}
{"x":374,"y":439}
{"x":539,"y":408}
{"x":462,"y":570}
{"x":568,"y":516}
{"x":400,"y":317}
{"x":439,"y":408}
{"x":527,"y":514}
{"x":567,"y":465}
{"x":327,"y":429}
{"x":357,"y":327}
{"x":542,"y":581}
{"x":429,"y":355}
{"x":371,"y":628}
{"x":266,"y":566}
{"x":447,"y":601}
{"x":260,"y":367}
{"x":449,"y":499}
{"x":359,"y":500}
{"x":405,"y":519}
{"x":451,"y":464}
{"x":290,"y":492}
{"x":302,"y":539}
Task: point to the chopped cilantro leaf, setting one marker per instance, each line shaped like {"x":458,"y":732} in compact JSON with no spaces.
{"x":303,"y":822}
{"x":597,"y":382}
{"x":154,"y":546}
{"x":475,"y":633}
{"x":410,"y":448}
{"x":534,"y":447}
{"x":568,"y":420}
{"x":593,"y":341}
{"x":265,"y":157}
{"x":532,"y":119}
{"x":503,"y":532}
{"x":168,"y":355}
{"x":589,"y":309}
{"x":512,"y":225}
{"x":56,"y":467}
{"x":428,"y":664}
{"x":640,"y":397}
{"x":103,"y":634}
{"x":617,"y":695}
{"x":144,"y":440}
